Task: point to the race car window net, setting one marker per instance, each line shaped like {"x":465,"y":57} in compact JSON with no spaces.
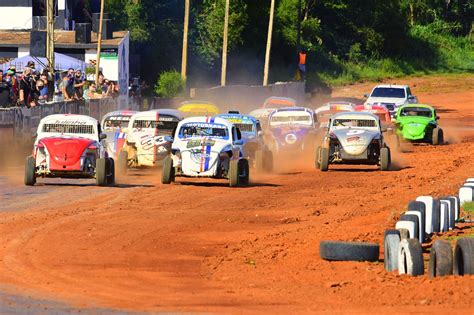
{"x":415,"y":111}
{"x":116,"y":122}
{"x":197,"y":131}
{"x":66,"y":128}
{"x":388,"y":92}
{"x":163,"y":126}
{"x":354,"y":123}
{"x":290,"y":119}
{"x":245,"y":127}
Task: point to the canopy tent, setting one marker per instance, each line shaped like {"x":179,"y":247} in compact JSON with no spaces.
{"x":61,"y":62}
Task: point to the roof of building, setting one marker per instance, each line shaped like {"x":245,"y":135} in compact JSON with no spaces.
{"x":63,"y":39}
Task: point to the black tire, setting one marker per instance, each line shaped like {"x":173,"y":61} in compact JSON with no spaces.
{"x":437,"y":136}
{"x":101,"y":172}
{"x":441,"y":259}
{"x":324,"y":159}
{"x":452,"y":211}
{"x":30,"y":171}
{"x":167,"y":172}
{"x":404,"y":234}
{"x":122,"y":162}
{"x":412,"y":218}
{"x":234,"y":173}
{"x":444,"y":224}
{"x":385,"y":159}
{"x":421,"y":208}
{"x":436,"y":216}
{"x":421,"y":231}
{"x":410,"y":257}
{"x":348,"y":251}
{"x":244,"y":172}
{"x":464,"y":257}
{"x":390,"y":251}
{"x":111,"y":171}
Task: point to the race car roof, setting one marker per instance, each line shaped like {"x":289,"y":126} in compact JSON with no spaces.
{"x":164,"y":111}
{"x":277,"y":99}
{"x":70,"y":118}
{"x":395,"y":86}
{"x":293,"y":109}
{"x":243,"y":118}
{"x":354,"y":115}
{"x":371,"y":107}
{"x":124,"y":112}
{"x":206,"y":119}
{"x":417,"y":105}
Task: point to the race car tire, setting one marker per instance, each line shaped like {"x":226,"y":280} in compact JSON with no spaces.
{"x":385,"y":159}
{"x":421,"y":231}
{"x":421,"y":208}
{"x":30,"y":170}
{"x":406,"y":225}
{"x":437,"y":136}
{"x":234,"y":173}
{"x":316,"y":162}
{"x":101,"y":171}
{"x":416,"y":221}
{"x":324,"y":159}
{"x":122,"y":162}
{"x":167,"y":172}
{"x":348,"y":251}
{"x":110,"y":171}
{"x":244,"y":172}
{"x":441,"y":259}
{"x":436,"y":216}
{"x":390,"y":249}
{"x":404,"y":233}
{"x":410,"y":257}
{"x":464,"y":257}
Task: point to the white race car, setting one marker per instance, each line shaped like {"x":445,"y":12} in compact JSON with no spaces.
{"x":147,"y":142}
{"x":115,"y":125}
{"x":69,"y":146}
{"x":207,"y":147}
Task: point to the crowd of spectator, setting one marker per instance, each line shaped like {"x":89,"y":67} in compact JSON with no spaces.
{"x":31,"y":87}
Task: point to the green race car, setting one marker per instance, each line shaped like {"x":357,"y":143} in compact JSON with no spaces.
{"x":418,"y":123}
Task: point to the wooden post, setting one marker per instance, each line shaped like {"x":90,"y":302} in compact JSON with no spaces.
{"x":50,"y":35}
{"x":224,"y":44}
{"x":184,"y":59}
{"x":99,"y":43}
{"x":269,"y":44}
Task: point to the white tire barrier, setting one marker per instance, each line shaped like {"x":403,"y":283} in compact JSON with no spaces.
{"x":390,"y":250}
{"x":409,"y":225}
{"x":429,"y":205}
{"x":410,"y":257}
{"x":421,"y":233}
{"x":470,"y":180}
{"x":449,"y":204}
{"x":456,"y":206}
{"x":444,"y":217}
{"x":465,"y":194}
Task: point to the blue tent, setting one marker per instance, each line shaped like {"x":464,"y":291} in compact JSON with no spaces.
{"x":61,"y":62}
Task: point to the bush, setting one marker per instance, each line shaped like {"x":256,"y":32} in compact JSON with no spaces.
{"x":170,"y":84}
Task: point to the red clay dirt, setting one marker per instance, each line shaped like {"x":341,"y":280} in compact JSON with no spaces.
{"x":200,"y":246}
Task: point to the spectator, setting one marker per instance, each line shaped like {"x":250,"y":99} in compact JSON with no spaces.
{"x":85,"y":93}
{"x":64,"y":87}
{"x":93,"y":92}
{"x":12,"y":84}
{"x":1,"y":76}
{"x":42,"y":87}
{"x":78,"y":84}
{"x":25,"y":88}
{"x":31,"y":65}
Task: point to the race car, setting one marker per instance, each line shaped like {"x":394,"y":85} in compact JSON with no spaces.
{"x":147,"y":141}
{"x":271,"y":104}
{"x":254,"y":146}
{"x":418,"y":123}
{"x":391,"y":96}
{"x":353,"y":138}
{"x":207,"y":147}
{"x":291,"y":129}
{"x":69,"y":146}
{"x":324,"y":112}
{"x":381,"y":111}
{"x":115,"y":126}
{"x":198,"y":108}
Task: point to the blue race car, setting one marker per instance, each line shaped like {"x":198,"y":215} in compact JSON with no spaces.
{"x":292,"y":129}
{"x":254,"y":146}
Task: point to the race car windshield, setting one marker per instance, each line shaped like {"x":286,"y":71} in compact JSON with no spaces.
{"x":194,"y":130}
{"x":388,"y":92}
{"x":415,"y":111}
{"x":116,"y":122}
{"x":245,"y":128}
{"x":354,"y":123}
{"x":286,"y":118}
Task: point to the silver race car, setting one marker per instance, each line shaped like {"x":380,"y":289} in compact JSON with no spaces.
{"x":353,"y":138}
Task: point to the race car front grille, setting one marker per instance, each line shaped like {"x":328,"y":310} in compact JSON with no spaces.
{"x":65,"y":128}
{"x":244,"y":127}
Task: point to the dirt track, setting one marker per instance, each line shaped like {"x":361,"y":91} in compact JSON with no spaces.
{"x":201,"y":246}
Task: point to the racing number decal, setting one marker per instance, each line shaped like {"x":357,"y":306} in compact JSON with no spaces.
{"x":354,"y":132}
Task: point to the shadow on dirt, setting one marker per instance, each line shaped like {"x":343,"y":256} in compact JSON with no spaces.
{"x":92,"y":185}
{"x":211,"y":184}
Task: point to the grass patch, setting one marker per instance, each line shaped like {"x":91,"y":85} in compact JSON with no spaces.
{"x":468,"y":207}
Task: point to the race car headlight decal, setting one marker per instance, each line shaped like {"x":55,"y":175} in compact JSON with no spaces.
{"x":291,"y":138}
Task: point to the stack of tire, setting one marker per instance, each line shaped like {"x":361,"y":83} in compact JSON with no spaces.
{"x":466,"y":192}
{"x":424,"y":216}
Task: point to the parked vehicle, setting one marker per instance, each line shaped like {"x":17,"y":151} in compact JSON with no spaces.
{"x":354,"y":138}
{"x":391,"y":96}
{"x":207,"y":147}
{"x":147,"y":142}
{"x":115,"y":126}
{"x":69,"y":146}
{"x":254,"y":147}
{"x":419,"y":123}
{"x":198,"y":108}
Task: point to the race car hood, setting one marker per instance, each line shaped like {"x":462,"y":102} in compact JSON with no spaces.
{"x":413,"y":127}
{"x":65,"y":151}
{"x":199,"y":156}
{"x":355,"y":141}
{"x":288,"y":135}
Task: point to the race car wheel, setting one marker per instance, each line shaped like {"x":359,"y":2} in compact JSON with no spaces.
{"x":244,"y":174}
{"x":348,"y":251}
{"x":464,"y":257}
{"x":167,"y":173}
{"x":30,"y":170}
{"x":110,"y":171}
{"x":441,"y":259}
{"x":385,"y":159}
{"x":410,"y":257}
{"x":324,"y":159}
{"x":390,"y":251}
{"x":437,"y":136}
{"x":101,"y":172}
{"x":234,"y":173}
{"x":122,"y":162}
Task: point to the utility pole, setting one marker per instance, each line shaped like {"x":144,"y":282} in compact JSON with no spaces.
{"x":99,"y":43}
{"x":269,"y":44}
{"x":298,"y":29}
{"x":224,"y":45}
{"x":184,"y":58}
{"x":50,"y":35}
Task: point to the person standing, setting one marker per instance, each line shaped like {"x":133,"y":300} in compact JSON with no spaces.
{"x":25,"y":88}
{"x":302,"y":63}
{"x":78,"y":84}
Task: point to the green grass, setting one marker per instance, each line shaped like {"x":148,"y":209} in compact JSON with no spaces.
{"x":468,"y":207}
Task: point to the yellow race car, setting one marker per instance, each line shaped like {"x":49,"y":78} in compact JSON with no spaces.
{"x":198,"y":108}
